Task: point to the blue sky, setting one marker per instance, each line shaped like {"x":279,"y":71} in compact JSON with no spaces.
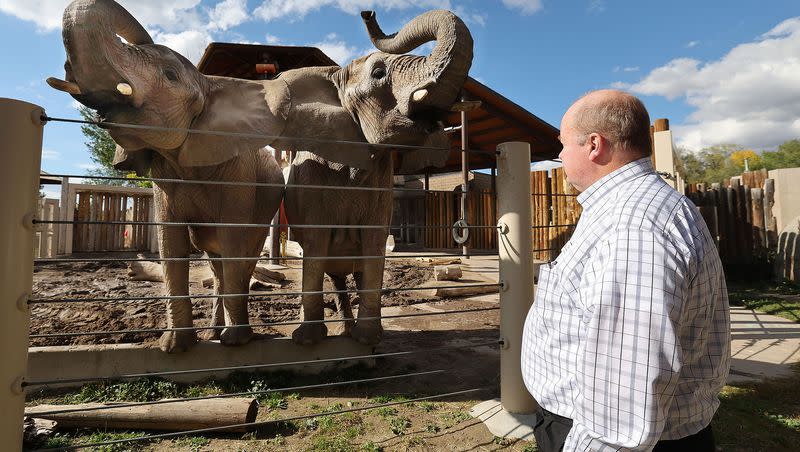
{"x":721,"y":71}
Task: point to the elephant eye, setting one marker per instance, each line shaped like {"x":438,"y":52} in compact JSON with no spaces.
{"x":379,"y":72}
{"x":171,"y":75}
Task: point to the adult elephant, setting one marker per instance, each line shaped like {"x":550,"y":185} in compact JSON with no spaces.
{"x":382,"y":98}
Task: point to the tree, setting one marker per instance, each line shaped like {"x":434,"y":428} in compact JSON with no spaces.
{"x":754,"y":161}
{"x":101,"y":151}
{"x":787,"y":156}
{"x":690,"y":166}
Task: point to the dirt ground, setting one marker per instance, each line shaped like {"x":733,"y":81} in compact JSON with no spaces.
{"x":440,"y":424}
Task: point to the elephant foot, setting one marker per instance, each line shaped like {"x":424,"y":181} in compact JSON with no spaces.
{"x":210,"y":335}
{"x":236,"y":335}
{"x":309,"y":333}
{"x":177,"y":341}
{"x":343,"y":328}
{"x":367,"y":332}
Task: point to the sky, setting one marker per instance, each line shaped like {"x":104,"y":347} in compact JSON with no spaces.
{"x":722,"y":72}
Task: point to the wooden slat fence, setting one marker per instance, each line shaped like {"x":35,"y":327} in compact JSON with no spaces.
{"x":443,"y":208}
{"x":554,"y":211}
{"x":739,"y":216}
{"x":103,"y":204}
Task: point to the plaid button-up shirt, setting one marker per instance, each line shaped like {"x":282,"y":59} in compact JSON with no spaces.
{"x":629,"y":334}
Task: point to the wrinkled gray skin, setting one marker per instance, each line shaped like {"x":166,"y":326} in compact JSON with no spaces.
{"x":371,"y":100}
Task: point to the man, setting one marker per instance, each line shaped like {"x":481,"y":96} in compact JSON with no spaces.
{"x":628,"y":341}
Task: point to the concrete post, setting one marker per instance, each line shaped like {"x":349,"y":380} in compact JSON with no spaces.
{"x":516,"y":269}
{"x":21,"y":147}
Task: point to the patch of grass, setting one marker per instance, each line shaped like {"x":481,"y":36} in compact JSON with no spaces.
{"x":500,"y":441}
{"x":399,"y":424}
{"x":386,"y":411}
{"x":388,"y":398}
{"x":332,"y":444}
{"x":191,"y":443}
{"x":415,"y":441}
{"x":452,"y":418}
{"x":55,"y":441}
{"x":427,"y":406}
{"x":371,"y":447}
{"x":766,"y":414}
{"x":781,"y":299}
{"x":532,"y":447}
{"x":99,"y":437}
{"x":141,"y":390}
{"x":431,"y":427}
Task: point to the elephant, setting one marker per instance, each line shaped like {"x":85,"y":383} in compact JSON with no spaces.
{"x":396,"y":99}
{"x":338,"y":119}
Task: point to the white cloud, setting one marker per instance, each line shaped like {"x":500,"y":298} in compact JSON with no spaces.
{"x":337,"y":49}
{"x":227,"y":14}
{"x":88,"y":166}
{"x":749,"y":96}
{"x":631,"y":69}
{"x":272,"y":39}
{"x":524,"y":6}
{"x":48,"y":154}
{"x":691,"y":44}
{"x":596,"y":6}
{"x":190,"y":43}
{"x":297,"y":9}
{"x":46,"y":14}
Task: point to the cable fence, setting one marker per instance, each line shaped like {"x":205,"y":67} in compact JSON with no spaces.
{"x":24,"y":124}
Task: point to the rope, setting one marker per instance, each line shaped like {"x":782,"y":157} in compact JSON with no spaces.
{"x":251,"y":366}
{"x":249,"y":295}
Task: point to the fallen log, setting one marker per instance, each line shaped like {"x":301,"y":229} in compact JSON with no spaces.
{"x":432,"y":261}
{"x":145,"y":271}
{"x":268,"y":276}
{"x":177,"y":416}
{"x":465,"y":291}
{"x":447,"y":273}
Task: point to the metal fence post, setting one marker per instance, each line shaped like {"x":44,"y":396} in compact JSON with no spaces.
{"x":21,"y":147}
{"x":516,"y":269}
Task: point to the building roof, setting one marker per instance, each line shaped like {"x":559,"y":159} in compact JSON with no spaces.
{"x":495,"y":121}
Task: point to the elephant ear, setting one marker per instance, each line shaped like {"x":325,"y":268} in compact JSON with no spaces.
{"x":137,"y":161}
{"x":435,"y":154}
{"x":253,"y":109}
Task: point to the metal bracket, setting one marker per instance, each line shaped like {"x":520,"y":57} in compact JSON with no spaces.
{"x":504,"y":344}
{"x":502,"y":228}
{"x":38,"y":117}
{"x":28,"y":221}
{"x":503,"y":286}
{"x":464,"y":235}
{"x":18,"y":386}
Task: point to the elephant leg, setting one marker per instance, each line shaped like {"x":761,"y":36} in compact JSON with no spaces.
{"x":370,"y":331}
{"x":343,"y":309}
{"x":174,"y":242}
{"x":217,"y":314}
{"x":315,"y":244}
{"x":236,"y":277}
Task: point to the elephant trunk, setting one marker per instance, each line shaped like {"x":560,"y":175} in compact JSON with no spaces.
{"x":91,"y":30}
{"x":446,"y":68}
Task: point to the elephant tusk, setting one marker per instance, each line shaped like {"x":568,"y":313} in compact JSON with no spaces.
{"x":125,"y":89}
{"x":419,"y":95}
{"x":62,"y":85}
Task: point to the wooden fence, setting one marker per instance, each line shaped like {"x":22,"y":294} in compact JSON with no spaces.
{"x":103,"y":203}
{"x":47,"y":235}
{"x":739,"y":216}
{"x":554,"y":212}
{"x":444,"y":209}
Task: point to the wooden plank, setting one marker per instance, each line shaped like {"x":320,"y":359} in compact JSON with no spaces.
{"x":770,"y":222}
{"x":759,"y":233}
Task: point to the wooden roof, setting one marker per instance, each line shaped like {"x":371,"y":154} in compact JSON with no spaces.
{"x":497,"y":120}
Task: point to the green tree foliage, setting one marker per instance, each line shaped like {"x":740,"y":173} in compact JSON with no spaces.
{"x":101,"y":151}
{"x":787,"y":156}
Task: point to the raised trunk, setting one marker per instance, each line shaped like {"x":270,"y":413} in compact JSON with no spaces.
{"x":448,"y":64}
{"x":91,"y":30}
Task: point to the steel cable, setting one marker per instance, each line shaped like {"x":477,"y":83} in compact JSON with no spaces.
{"x":236,"y":394}
{"x":262,"y":423}
{"x":254,"y":225}
{"x":250,"y":295}
{"x":252,"y":366}
{"x":257,"y":325}
{"x":56,"y":260}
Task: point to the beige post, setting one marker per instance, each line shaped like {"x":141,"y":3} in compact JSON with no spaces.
{"x":516,"y":269}
{"x":21,"y":147}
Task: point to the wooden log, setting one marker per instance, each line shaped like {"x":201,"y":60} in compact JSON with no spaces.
{"x":176,"y":416}
{"x":268,"y":276}
{"x":447,"y":272}
{"x":770,"y":222}
{"x":465,"y":291}
{"x":759,"y":232}
{"x":145,"y":271}
{"x":439,"y":261}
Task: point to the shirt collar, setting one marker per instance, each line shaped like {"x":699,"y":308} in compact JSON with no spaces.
{"x":609,"y":182}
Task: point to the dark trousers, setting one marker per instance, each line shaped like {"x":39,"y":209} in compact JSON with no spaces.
{"x":551,"y":431}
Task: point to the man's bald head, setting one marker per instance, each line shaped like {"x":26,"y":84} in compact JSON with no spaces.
{"x":619,"y":117}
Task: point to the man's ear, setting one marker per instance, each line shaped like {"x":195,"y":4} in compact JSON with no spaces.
{"x":599,"y":150}
{"x":237,"y":107}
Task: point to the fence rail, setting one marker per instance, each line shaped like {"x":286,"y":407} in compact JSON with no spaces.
{"x":22,"y":125}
